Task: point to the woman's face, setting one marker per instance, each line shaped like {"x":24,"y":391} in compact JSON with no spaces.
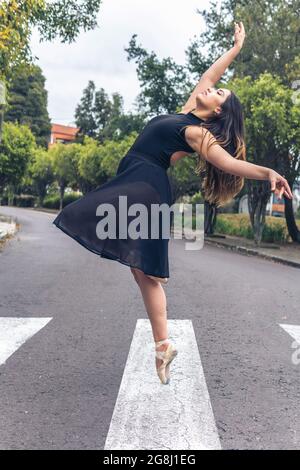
{"x":212,"y":98}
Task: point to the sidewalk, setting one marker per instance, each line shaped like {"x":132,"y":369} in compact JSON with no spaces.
{"x":287,"y":253}
{"x":8,"y":226}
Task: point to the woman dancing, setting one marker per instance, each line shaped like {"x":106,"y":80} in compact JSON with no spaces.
{"x":211,"y":124}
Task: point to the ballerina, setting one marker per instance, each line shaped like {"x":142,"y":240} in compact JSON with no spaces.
{"x":211,"y":124}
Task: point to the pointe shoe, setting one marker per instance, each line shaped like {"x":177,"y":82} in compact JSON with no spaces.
{"x":167,"y":356}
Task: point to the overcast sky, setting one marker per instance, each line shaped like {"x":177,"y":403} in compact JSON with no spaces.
{"x":163,"y":26}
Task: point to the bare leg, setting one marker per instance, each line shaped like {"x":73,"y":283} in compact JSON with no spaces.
{"x":154,"y":298}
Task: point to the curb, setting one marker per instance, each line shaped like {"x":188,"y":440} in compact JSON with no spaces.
{"x":49,"y":211}
{"x":43,"y":209}
{"x":39,"y":209}
{"x":245,"y":250}
{"x":251,"y":251}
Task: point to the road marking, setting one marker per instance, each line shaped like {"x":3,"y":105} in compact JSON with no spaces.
{"x":151,"y":415}
{"x":15,"y":331}
{"x":292,"y":330}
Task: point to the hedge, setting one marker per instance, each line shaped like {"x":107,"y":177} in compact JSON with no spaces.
{"x":52,"y":201}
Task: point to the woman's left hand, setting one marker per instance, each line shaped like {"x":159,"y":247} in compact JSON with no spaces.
{"x":239,"y":34}
{"x":279,"y":185}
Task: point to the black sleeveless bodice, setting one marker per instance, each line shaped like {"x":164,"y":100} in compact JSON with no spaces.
{"x":163,"y":135}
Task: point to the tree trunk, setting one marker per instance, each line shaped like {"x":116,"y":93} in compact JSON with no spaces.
{"x":61,"y":196}
{"x":258,"y":197}
{"x":290,"y":219}
{"x":210,"y":218}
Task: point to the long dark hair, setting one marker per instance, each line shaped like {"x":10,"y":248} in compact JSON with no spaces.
{"x":227,"y":129}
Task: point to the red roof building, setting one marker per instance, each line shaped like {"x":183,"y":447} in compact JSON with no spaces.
{"x":63,"y":134}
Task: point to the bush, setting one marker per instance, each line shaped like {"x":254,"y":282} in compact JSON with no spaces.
{"x":239,"y":225}
{"x":52,"y":201}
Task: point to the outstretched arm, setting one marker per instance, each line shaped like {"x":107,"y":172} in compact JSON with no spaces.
{"x":217,"y":69}
{"x":221,"y":159}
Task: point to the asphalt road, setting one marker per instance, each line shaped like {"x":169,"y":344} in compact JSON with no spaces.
{"x":58,"y":390}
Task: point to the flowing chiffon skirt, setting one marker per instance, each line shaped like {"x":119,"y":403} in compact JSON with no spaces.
{"x":142,"y":179}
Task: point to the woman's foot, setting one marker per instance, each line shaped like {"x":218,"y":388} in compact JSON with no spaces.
{"x":165,"y":353}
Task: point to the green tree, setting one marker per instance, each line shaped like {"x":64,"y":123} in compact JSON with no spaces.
{"x":64,"y":164}
{"x":272,"y":45}
{"x":53,"y":18}
{"x":99,"y":162}
{"x":84,"y":112}
{"x":16,"y":148}
{"x":272,"y":38}
{"x":103,"y":119}
{"x":120,"y":124}
{"x":112,"y":152}
{"x":272,"y":137}
{"x":40,"y":172}
{"x":56,"y":18}
{"x":27,"y":103}
{"x":89,"y":165}
{"x":164,"y":83}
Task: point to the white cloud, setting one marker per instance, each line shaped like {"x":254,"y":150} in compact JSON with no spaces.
{"x":163,"y":26}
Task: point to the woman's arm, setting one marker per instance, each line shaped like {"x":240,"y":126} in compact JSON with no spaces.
{"x":221,"y":159}
{"x":215,"y":71}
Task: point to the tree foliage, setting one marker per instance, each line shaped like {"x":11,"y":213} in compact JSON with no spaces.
{"x":164,"y":83}
{"x":40,"y":173}
{"x":101,"y":118}
{"x":272,"y":37}
{"x":59,"y":18}
{"x":16,"y":149}
{"x":27,"y":103}
{"x":272,"y":137}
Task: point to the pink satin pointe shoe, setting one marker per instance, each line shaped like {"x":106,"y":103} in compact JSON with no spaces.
{"x":167,"y":356}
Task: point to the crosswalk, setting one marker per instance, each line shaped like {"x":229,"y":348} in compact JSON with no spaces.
{"x":151,"y":415}
{"x":148,"y":414}
{"x":294,"y":332}
{"x":14,"y":331}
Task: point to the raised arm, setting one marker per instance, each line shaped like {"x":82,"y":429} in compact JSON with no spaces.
{"x":217,"y":69}
{"x":221,"y":159}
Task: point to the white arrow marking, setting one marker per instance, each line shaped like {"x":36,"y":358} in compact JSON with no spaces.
{"x":15,"y":331}
{"x":151,"y":415}
{"x":292,"y":330}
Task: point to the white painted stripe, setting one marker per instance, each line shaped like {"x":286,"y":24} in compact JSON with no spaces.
{"x":151,"y":415}
{"x":15,"y":331}
{"x":293,"y":330}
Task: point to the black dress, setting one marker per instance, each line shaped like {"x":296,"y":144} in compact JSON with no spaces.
{"x":142,"y":177}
